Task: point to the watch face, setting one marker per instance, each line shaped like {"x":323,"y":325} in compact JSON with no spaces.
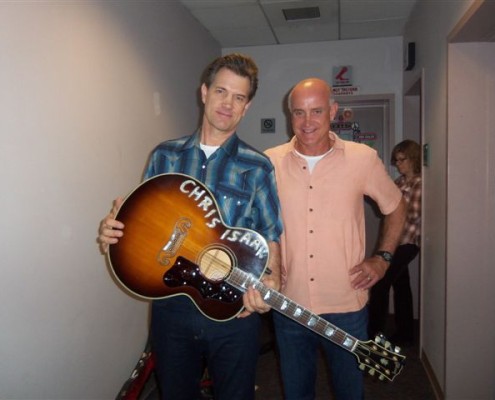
{"x":385,"y":255}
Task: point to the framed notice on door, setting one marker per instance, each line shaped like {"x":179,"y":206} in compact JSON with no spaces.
{"x":365,"y":121}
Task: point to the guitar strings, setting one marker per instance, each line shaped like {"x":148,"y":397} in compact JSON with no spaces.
{"x":292,"y":309}
{"x":215,"y":265}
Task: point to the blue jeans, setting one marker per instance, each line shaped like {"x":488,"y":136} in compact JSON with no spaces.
{"x":298,"y":348}
{"x":184,"y":341}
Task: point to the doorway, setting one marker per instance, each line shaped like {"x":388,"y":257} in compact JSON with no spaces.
{"x":369,"y":120}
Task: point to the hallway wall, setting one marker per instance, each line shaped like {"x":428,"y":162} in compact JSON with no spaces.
{"x":87,"y":90}
{"x":376,"y":66}
{"x":450,"y":280}
{"x":470,"y":339}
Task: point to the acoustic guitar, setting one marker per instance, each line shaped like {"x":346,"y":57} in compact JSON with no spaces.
{"x":176,"y":243}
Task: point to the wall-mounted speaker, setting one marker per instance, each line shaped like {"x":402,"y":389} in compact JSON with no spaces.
{"x":409,"y":56}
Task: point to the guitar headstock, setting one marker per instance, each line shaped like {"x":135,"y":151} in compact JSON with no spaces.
{"x":380,"y":358}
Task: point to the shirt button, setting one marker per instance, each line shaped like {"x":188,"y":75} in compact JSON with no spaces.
{"x":203,"y":166}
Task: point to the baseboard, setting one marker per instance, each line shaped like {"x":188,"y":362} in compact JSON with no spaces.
{"x":437,"y":389}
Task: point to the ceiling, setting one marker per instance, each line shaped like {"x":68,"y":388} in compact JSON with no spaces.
{"x":239,"y":23}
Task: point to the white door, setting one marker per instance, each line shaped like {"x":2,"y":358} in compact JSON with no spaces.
{"x":368,"y":121}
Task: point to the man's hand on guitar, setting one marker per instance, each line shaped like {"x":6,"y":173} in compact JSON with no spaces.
{"x":252,"y":300}
{"x":110,"y":229}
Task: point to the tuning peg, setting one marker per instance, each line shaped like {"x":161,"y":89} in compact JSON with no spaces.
{"x":397,"y":349}
{"x":379,"y":338}
{"x":372,"y":372}
{"x":362,"y":367}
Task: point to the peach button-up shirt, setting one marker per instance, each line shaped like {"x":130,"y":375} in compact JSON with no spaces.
{"x":324,"y":224}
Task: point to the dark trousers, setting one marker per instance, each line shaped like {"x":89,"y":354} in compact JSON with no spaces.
{"x":397,"y":277}
{"x":298,"y":349}
{"x":184,"y":340}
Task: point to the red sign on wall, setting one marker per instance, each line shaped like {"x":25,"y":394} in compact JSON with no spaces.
{"x":342,"y":76}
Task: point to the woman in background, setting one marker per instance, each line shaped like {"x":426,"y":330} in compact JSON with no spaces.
{"x":406,"y":156}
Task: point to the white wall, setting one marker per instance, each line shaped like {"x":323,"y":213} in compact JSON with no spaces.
{"x":429,"y":26}
{"x":77,"y":122}
{"x":471,"y":221}
{"x":377,"y":69}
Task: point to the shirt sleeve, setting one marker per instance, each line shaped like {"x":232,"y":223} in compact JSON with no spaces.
{"x":380,"y":186}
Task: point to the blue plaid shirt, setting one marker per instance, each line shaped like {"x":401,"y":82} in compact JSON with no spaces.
{"x":240,"y":177}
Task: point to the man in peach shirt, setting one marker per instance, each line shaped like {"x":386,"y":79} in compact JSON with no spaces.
{"x":321,"y":181}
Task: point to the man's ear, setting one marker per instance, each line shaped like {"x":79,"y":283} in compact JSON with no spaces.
{"x":204,"y":90}
{"x":246,"y":108}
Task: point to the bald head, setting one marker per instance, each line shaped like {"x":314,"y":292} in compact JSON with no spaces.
{"x":312,"y":111}
{"x":310,"y":86}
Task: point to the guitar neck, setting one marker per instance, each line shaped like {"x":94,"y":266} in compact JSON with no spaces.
{"x":243,"y":280}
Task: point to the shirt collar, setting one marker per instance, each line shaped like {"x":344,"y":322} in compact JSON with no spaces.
{"x":338,"y":143}
{"x":230,"y":146}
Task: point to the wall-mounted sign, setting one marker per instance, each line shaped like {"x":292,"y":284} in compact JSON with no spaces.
{"x":342,"y":76}
{"x":345,"y":91}
{"x":365,"y":136}
{"x":267,"y":125}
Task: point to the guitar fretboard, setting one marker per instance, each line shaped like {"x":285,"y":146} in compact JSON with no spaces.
{"x":243,"y":280}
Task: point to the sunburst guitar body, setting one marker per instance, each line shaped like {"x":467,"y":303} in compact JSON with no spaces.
{"x":175,"y":243}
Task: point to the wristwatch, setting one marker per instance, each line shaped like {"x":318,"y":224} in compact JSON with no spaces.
{"x":387,"y":256}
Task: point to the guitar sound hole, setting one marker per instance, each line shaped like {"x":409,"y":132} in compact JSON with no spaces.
{"x":215,"y":263}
